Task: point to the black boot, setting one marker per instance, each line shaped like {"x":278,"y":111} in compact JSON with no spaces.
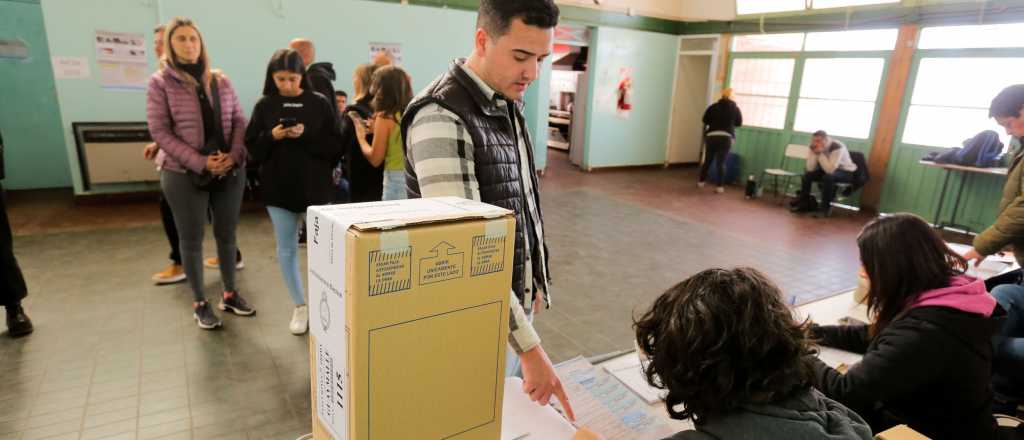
{"x":18,"y":323}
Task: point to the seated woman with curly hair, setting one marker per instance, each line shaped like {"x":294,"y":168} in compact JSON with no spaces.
{"x":728,"y":351}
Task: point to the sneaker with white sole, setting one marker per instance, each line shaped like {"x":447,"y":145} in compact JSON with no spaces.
{"x":300,"y":320}
{"x":700,"y":184}
{"x":720,"y":189}
{"x":173,"y":274}
{"x":234,"y":303}
{"x":204,"y":316}
{"x":214,"y":263}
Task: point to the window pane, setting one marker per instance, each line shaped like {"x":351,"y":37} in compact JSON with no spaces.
{"x":947,"y":126}
{"x":842,"y":78}
{"x":875,"y":39}
{"x":976,"y":80}
{"x":959,"y":37}
{"x":759,"y":6}
{"x":762,"y":111}
{"x":842,"y":118}
{"x":822,"y":4}
{"x":768,"y":43}
{"x":761,"y":76}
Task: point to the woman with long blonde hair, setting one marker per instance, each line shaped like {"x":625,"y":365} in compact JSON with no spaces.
{"x":195,"y":117}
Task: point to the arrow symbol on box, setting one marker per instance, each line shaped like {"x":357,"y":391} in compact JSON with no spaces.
{"x":444,"y":245}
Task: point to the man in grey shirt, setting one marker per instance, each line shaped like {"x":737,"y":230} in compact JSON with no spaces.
{"x":828,"y":163}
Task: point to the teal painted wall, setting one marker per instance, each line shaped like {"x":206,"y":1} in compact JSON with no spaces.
{"x":640,"y":138}
{"x":536,"y":112}
{"x":34,"y":154}
{"x":241,"y":36}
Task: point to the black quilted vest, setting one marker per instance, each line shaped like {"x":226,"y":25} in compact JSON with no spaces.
{"x":496,"y":160}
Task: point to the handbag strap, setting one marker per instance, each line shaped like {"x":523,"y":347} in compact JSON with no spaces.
{"x":218,"y":128}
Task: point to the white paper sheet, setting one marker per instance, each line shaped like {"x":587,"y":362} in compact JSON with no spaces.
{"x":833,"y":357}
{"x":605,"y":406}
{"x":522,"y":418}
{"x":626,"y":369}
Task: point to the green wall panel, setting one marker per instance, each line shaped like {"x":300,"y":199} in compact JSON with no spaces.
{"x":35,"y":156}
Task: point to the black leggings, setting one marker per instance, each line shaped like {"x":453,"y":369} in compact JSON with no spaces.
{"x":717,"y":150}
{"x":167,"y":217}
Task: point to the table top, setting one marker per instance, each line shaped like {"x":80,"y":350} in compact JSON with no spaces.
{"x":949,"y":166}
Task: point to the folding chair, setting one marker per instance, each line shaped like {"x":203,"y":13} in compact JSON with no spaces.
{"x":793,"y":151}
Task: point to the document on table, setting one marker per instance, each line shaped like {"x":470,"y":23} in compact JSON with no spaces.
{"x":834,"y":357}
{"x":626,"y":369}
{"x":522,"y":418}
{"x":605,"y":406}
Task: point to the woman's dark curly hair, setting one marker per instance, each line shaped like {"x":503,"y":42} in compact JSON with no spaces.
{"x":722,"y":338}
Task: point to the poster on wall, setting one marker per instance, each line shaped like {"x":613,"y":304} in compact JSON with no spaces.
{"x":70,"y":67}
{"x":13,"y":49}
{"x":121,"y":59}
{"x":624,"y":92}
{"x":393,"y":51}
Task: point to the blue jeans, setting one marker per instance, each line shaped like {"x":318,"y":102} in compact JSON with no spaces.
{"x":1008,"y":361}
{"x":827,"y":183}
{"x":286,"y":231}
{"x":394,"y":185}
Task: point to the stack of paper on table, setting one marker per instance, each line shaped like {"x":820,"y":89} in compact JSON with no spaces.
{"x":605,"y":406}
{"x":525,"y":419}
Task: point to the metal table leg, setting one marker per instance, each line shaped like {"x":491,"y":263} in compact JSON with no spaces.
{"x":960,"y":192}
{"x":942,"y":198}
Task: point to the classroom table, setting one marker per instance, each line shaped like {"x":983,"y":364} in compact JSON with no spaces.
{"x":966,"y":172}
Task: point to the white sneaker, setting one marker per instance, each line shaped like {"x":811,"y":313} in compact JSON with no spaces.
{"x":300,"y":320}
{"x":700,"y":184}
{"x":720,"y":189}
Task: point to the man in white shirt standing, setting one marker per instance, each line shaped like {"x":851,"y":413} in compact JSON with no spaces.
{"x":828,"y":163}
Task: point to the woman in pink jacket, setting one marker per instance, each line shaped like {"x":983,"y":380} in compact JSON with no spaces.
{"x":195,"y":117}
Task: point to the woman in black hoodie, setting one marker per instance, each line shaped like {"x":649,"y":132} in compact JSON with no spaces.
{"x":928,"y":354}
{"x":293,"y":136}
{"x":720,"y":122}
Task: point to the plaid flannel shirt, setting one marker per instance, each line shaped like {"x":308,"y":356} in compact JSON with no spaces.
{"x":441,"y":151}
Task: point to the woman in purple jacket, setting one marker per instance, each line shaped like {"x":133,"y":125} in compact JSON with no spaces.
{"x":195,"y":117}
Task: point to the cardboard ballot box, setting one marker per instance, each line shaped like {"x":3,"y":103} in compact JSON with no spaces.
{"x":409,"y":309}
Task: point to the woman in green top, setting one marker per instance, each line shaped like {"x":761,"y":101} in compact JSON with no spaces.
{"x":392,"y":91}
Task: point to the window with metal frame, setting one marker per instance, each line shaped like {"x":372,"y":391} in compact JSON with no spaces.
{"x":838,"y":95}
{"x":761,"y":89}
{"x":951,"y":97}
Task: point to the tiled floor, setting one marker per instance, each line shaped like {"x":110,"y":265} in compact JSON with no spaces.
{"x":115,"y":357}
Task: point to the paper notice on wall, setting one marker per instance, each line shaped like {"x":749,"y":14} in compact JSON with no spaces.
{"x":393,"y":52}
{"x":70,"y":67}
{"x":13,"y":49}
{"x":121,"y":58}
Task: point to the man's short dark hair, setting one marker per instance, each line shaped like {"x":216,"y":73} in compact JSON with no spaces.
{"x":720,"y":339}
{"x":495,"y":16}
{"x":820,"y":134}
{"x":340,"y":93}
{"x":159,"y":28}
{"x":1007,"y":103}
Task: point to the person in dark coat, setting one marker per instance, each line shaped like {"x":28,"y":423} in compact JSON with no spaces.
{"x":720,"y":122}
{"x":321,"y":75}
{"x":12,"y":282}
{"x":928,"y":354}
{"x":366,"y":182}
